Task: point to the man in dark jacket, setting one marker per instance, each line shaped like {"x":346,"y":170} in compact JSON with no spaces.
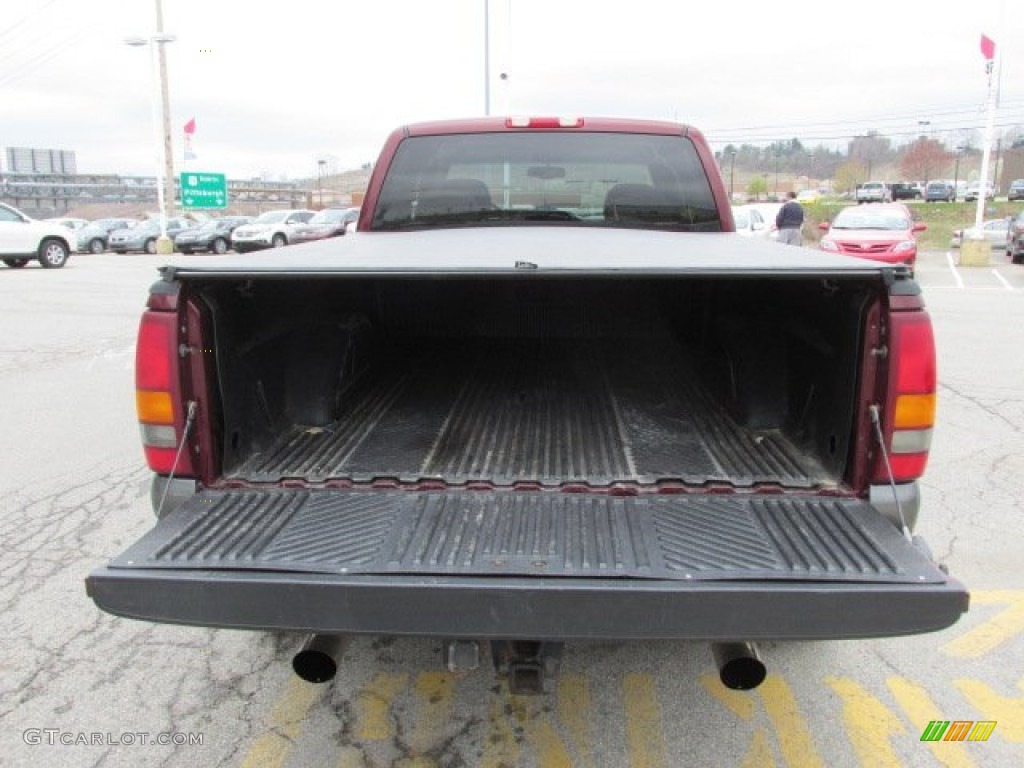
{"x":790,"y":220}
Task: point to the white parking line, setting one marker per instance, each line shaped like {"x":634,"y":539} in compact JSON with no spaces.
{"x":1003,"y":280}
{"x":952,"y":268}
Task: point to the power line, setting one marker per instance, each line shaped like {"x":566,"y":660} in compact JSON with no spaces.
{"x":14,"y":25}
{"x":965,"y":112}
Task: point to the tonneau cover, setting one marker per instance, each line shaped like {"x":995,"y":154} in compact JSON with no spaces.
{"x":544,"y":249}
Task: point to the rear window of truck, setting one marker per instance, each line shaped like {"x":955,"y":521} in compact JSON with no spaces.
{"x":547,"y":178}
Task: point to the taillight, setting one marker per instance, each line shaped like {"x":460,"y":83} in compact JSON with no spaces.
{"x":157,"y":394}
{"x":910,"y":415}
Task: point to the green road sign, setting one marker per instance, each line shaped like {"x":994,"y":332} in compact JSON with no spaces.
{"x":204,"y":190}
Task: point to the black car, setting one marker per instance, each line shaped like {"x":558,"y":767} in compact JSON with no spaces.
{"x":213,"y":235}
{"x":1016,"y":191}
{"x":904,"y":190}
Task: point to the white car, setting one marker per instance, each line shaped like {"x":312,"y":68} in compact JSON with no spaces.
{"x":269,"y":230}
{"x":874,"y":192}
{"x":993,"y":231}
{"x":752,"y":222}
{"x":23,"y":239}
{"x":756,"y":219}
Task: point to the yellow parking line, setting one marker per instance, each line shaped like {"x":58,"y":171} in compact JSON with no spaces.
{"x":434,"y":691}
{"x":501,"y":749}
{"x":283,"y":726}
{"x":759,"y":755}
{"x":790,"y":726}
{"x":531,"y":713}
{"x":920,"y":710}
{"x":373,"y":721}
{"x":1008,"y":710}
{"x":645,"y":737}
{"x":1004,"y":625}
{"x":869,"y":724}
{"x":574,"y":713}
{"x":739,"y":703}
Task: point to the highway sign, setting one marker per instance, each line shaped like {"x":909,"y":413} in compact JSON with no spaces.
{"x":203,"y":190}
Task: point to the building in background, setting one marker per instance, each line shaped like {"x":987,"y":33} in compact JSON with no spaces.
{"x":32,"y":160}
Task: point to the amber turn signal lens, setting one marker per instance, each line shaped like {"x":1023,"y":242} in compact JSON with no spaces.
{"x":154,"y":407}
{"x":915,"y":411}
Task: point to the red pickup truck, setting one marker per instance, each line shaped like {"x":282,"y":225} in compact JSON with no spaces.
{"x":544,"y":393}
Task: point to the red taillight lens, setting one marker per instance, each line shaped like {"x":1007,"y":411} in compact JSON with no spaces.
{"x":910,"y":415}
{"x":153,"y":359}
{"x":157,"y":395}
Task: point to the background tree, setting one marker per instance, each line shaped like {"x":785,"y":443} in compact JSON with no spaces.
{"x":924,"y":159}
{"x":849,"y":175}
{"x":757,"y":186}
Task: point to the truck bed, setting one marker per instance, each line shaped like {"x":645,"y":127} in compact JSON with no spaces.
{"x":550,"y":413}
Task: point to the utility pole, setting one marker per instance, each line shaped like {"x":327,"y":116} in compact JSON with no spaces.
{"x":165,"y":103}
{"x":487,"y":57}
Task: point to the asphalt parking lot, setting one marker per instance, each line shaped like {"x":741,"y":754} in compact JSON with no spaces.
{"x":82,"y":688}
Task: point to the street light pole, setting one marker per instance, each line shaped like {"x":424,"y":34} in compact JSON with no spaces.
{"x":487,"y":57}
{"x":320,"y":181}
{"x":165,"y":162}
{"x":956,"y":170}
{"x":732,"y":171}
{"x":165,"y":105}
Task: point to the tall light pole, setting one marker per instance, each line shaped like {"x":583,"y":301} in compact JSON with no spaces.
{"x":320,"y":164}
{"x":732,"y":171}
{"x":487,"y":57}
{"x":956,"y":170}
{"x":162,"y":129}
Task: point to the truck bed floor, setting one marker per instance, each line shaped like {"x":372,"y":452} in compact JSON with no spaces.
{"x":545,"y":412}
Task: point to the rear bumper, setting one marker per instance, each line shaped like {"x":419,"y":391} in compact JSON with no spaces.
{"x":528,"y":608}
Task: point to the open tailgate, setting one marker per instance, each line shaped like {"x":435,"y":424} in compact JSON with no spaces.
{"x":531,"y":565}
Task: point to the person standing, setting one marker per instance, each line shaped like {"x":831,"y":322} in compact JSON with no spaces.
{"x":790,"y":221}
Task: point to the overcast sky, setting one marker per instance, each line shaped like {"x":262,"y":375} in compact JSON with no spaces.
{"x":275,"y":87}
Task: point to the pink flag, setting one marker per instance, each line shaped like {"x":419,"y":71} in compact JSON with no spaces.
{"x":988,"y":48}
{"x":190,"y":126}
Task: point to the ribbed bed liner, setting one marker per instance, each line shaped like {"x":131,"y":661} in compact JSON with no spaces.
{"x":535,"y":533}
{"x":545,"y":412}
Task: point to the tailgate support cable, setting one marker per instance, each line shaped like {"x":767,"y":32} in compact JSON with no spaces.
{"x":877,"y":422}
{"x":189,"y":417}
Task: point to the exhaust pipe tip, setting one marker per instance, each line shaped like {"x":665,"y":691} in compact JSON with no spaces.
{"x":317,"y":660}
{"x":740,"y":667}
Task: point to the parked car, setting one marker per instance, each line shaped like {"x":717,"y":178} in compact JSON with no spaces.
{"x":93,"y":236}
{"x":269,"y":230}
{"x":143,"y":236}
{"x":808,"y":196}
{"x":973,"y":191}
{"x":879,"y":232}
{"x":213,"y":235}
{"x":874,"y":192}
{"x":937,"y":191}
{"x":330,"y":222}
{"x":993,"y":230}
{"x":751,"y":222}
{"x":73,"y":224}
{"x":905,"y":190}
{"x":1016,"y":191}
{"x":23,"y":239}
{"x":1015,"y":239}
